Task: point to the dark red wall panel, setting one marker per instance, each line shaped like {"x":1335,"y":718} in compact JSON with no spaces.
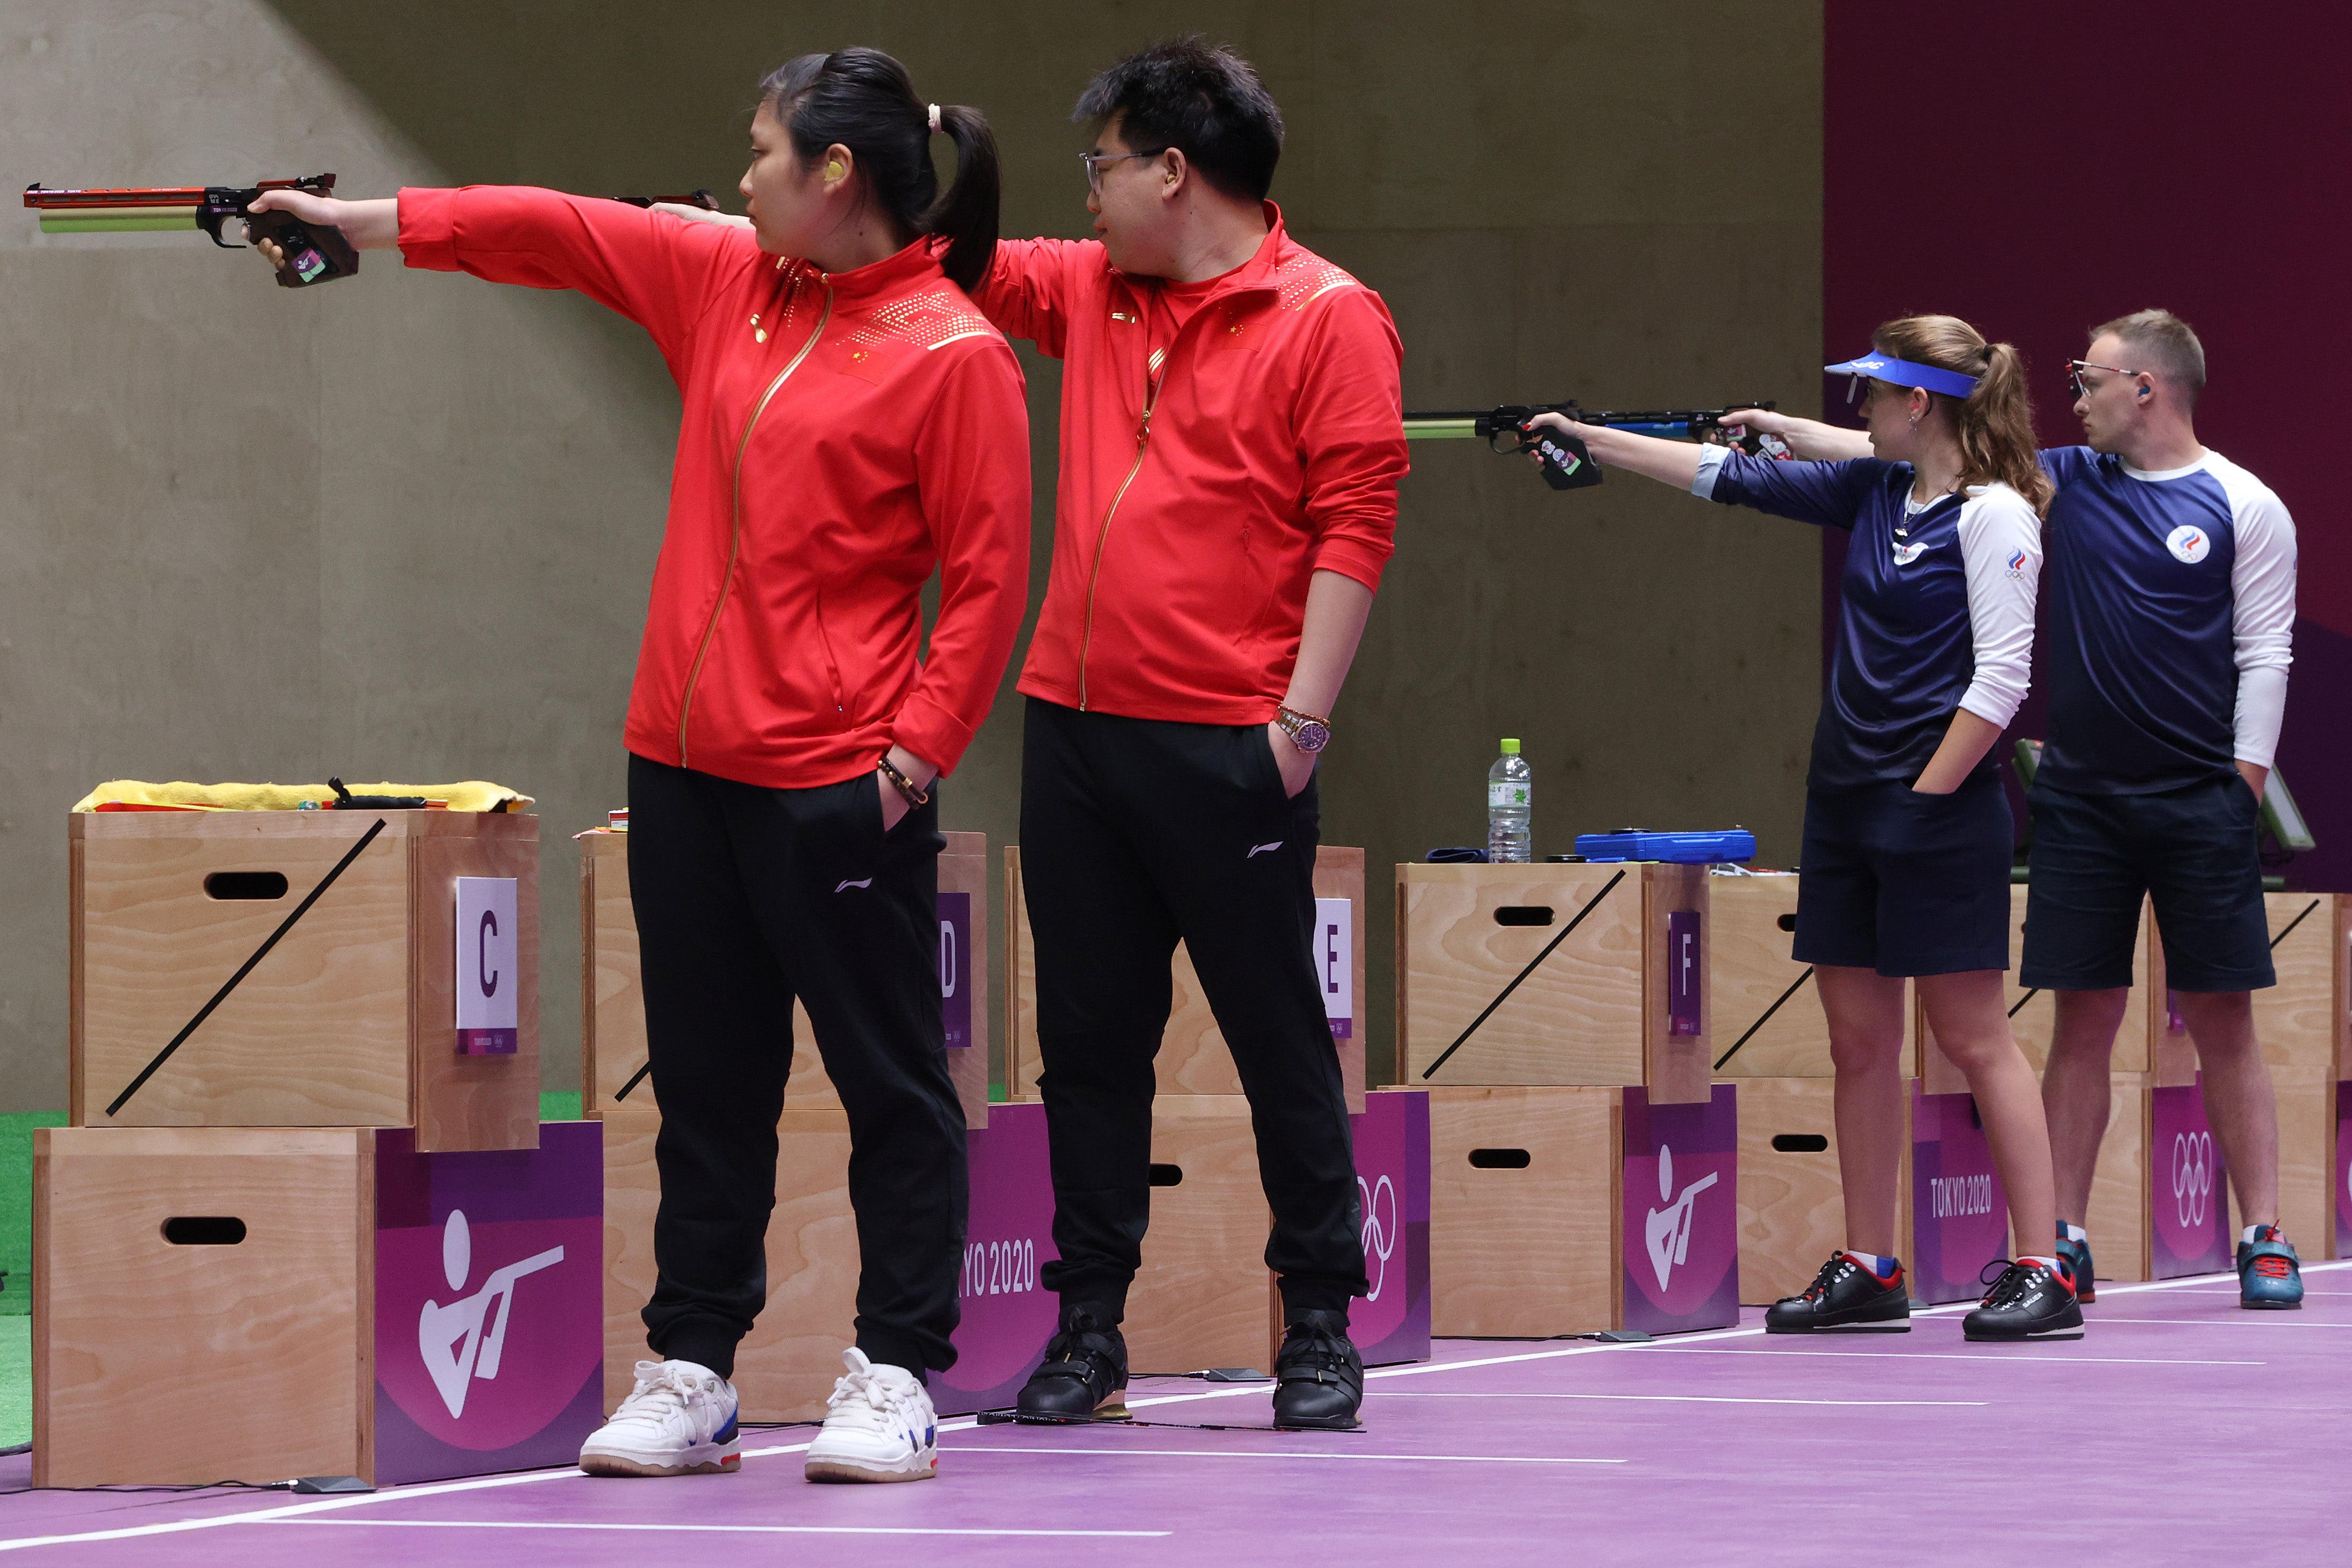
{"x":2038,"y":169}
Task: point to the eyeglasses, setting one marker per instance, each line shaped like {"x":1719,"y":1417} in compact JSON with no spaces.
{"x":2074,"y":369}
{"x":1095,"y":160}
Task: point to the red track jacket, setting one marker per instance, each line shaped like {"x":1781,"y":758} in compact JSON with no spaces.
{"x":843,"y":435}
{"x":1195,"y":502}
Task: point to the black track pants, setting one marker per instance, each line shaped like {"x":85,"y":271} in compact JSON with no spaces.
{"x":746,"y":897}
{"x":1135,"y":833}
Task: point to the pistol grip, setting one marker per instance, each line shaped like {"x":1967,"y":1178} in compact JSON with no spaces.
{"x":311,"y":255}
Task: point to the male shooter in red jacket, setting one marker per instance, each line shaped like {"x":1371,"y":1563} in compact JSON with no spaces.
{"x":1232,"y":438}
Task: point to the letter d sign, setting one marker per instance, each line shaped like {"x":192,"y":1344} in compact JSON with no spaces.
{"x":489,"y":978}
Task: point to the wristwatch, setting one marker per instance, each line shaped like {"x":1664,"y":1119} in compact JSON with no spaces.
{"x":1306,"y":733}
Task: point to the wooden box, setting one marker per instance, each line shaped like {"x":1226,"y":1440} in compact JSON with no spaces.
{"x":2303,"y":1020}
{"x":1204,"y":1297}
{"x":612,"y":1002}
{"x":227,"y":1303}
{"x":348,"y":1019}
{"x":1770,"y":1021}
{"x":786,"y":1366}
{"x":1792,"y":1197}
{"x":1555,"y":975}
{"x":1193,"y":1058}
{"x":1523,"y":1200}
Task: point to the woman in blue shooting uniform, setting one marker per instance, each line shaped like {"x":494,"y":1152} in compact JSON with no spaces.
{"x":1908,"y":840}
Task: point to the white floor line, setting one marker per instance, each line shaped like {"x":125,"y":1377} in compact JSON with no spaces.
{"x":1294,"y":1454}
{"x":711,"y":1528}
{"x":2255,"y":1319}
{"x":481,"y":1483}
{"x":1992,"y":1355}
{"x":1679,"y":1398}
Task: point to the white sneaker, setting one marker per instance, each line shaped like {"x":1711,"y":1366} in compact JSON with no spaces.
{"x":678,"y":1421}
{"x":878,"y":1427}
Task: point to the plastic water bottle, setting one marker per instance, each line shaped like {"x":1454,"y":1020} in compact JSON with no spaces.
{"x":1510,"y":786}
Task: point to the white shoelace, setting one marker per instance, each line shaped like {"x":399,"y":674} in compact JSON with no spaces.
{"x":662,"y":1392}
{"x":863,"y":1399}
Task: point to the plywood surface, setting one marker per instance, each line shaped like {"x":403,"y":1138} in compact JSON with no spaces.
{"x":1193,"y":1058}
{"x":786,"y":1366}
{"x":1202,"y":1297}
{"x":1752,"y":971}
{"x":466,"y":1101}
{"x":1792,"y":1204}
{"x":2306,"y":1169}
{"x":1675,"y":1067}
{"x":317,"y":1035}
{"x":1577,"y":1018}
{"x":163,"y":1363}
{"x":1531,"y":1251}
{"x":2118,"y":1217}
{"x":2301,"y":1020}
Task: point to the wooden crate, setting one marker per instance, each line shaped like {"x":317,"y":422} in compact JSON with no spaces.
{"x":1204,"y":1297}
{"x":785,"y":1367}
{"x":1193,"y":1058}
{"x":2119,"y":1218}
{"x":2302,"y":1021}
{"x":612,"y":1002}
{"x":1548,"y":974}
{"x":2306,"y":1171}
{"x":214,"y":1303}
{"x":1532,"y":1249}
{"x":1770,"y":1023}
{"x":1791,"y":1200}
{"x":348,"y":1020}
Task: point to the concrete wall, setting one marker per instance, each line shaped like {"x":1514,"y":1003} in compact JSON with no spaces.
{"x":403,"y":527}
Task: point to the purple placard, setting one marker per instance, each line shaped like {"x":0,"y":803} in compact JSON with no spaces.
{"x":1390,"y":1323}
{"x":1007,"y":1315}
{"x":1681,"y":972}
{"x":1959,"y":1214}
{"x":955,"y":967}
{"x":1681,"y":1221}
{"x":489,"y":1304}
{"x":487,"y":1042}
{"x":2344,"y":1170}
{"x":2187,"y":1189}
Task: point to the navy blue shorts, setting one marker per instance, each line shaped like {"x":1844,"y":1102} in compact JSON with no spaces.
{"x":2194,"y":852}
{"x":1906,"y":883}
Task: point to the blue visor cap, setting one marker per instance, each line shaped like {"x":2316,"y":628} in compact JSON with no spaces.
{"x":1903,"y":373}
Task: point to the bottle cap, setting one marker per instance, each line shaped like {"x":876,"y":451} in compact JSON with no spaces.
{"x":1510,"y":748}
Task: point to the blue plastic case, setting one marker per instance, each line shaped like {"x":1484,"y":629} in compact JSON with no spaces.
{"x":1702,"y":848}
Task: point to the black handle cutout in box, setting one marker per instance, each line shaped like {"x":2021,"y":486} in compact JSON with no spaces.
{"x":245,"y":885}
{"x":1799,"y":1143}
{"x":1523,"y":915}
{"x":204,"y":1230}
{"x":1787,"y":923}
{"x":1167,"y":1175}
{"x":1499,"y":1159}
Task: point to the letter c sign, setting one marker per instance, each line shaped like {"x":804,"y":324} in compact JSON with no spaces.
{"x":488,"y":928}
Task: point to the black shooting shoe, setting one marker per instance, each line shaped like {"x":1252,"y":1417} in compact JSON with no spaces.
{"x":1084,"y":1375}
{"x":1318,"y":1378}
{"x":2026,"y":1302}
{"x":1844,"y":1295}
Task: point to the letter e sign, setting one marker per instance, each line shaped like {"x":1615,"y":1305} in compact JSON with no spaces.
{"x":489,"y":978}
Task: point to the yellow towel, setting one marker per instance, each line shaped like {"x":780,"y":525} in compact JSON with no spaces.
{"x":472,"y":795}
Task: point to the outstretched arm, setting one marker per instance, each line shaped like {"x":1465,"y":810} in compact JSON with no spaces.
{"x":1808,"y":439}
{"x":368,"y":226}
{"x":1673,"y":463}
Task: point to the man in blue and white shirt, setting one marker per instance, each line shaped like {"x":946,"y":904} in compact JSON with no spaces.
{"x":2169,"y":610}
{"x":2169,"y":615}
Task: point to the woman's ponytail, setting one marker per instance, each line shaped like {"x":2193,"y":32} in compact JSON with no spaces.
{"x":1994,"y":423}
{"x":863,"y":99}
{"x":965,"y":216}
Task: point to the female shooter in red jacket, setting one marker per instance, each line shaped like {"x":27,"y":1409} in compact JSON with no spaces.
{"x":851,"y":424}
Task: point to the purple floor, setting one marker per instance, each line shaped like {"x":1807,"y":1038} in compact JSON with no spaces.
{"x":2181,"y":1429}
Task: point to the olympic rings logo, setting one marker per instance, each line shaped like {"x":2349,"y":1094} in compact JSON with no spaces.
{"x":1379,"y":1232}
{"x":2192,"y":1177}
